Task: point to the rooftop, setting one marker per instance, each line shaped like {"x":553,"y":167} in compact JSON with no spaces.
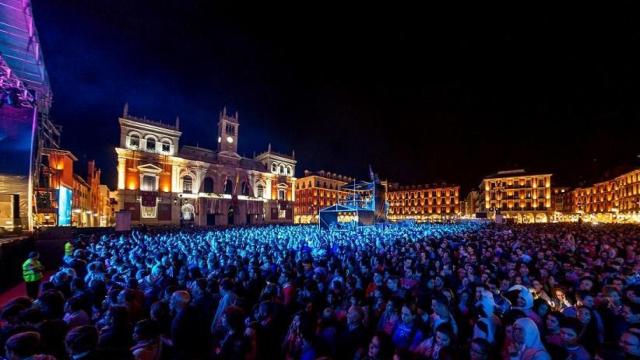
{"x":211,"y":156}
{"x":328,"y":175}
{"x":397,"y":187}
{"x":275,"y":153}
{"x":144,"y":120}
{"x":513,"y":173}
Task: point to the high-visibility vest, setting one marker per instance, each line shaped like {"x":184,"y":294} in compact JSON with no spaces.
{"x":68,"y":248}
{"x":31,"y":270}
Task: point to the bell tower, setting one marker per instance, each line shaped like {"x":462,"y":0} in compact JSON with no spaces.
{"x":228,"y":133}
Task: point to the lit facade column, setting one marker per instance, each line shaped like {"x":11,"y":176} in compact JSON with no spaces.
{"x":293,"y":191}
{"x":122,"y":167}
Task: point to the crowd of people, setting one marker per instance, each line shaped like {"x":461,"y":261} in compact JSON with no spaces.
{"x":403,"y":291}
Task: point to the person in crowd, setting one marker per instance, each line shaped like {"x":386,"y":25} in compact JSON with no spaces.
{"x":115,"y":336}
{"x":234,"y":344}
{"x":82,"y":342}
{"x":439,"y":346}
{"x":488,"y":323}
{"x":188,"y":328}
{"x":380,"y":347}
{"x":630,"y":343}
{"x":148,"y":345}
{"x":32,"y":273}
{"x":406,"y":334}
{"x":571,"y":328}
{"x":589,"y":335}
{"x":75,"y":315}
{"x":526,"y":341}
{"x":23,"y":346}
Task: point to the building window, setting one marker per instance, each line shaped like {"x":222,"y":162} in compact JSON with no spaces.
{"x":166,"y":146}
{"x":245,"y":188}
{"x":228,"y":187}
{"x":281,"y":194}
{"x":148,"y":183}
{"x":281,"y":170}
{"x":208,"y":185}
{"x":134,"y":141}
{"x":274,"y":168}
{"x":187,"y":184}
{"x":260,"y":190}
{"x":231,"y":130}
{"x":151,"y":144}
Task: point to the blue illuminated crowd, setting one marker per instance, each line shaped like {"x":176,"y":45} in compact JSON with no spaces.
{"x":413,"y":291}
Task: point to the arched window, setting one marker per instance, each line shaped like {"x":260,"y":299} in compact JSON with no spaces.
{"x":282,"y":193}
{"x":187,"y":184}
{"x":134,"y":140}
{"x":274,"y":167}
{"x":166,"y":146}
{"x":228,"y":187}
{"x":207,"y":186}
{"x":151,"y":144}
{"x":260,"y":190}
{"x":245,"y":188}
{"x":281,"y":171}
{"x":289,"y":170}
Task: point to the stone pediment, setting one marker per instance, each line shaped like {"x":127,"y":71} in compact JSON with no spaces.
{"x":149,"y":168}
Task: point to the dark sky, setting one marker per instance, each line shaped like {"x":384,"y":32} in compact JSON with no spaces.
{"x":420,"y":94}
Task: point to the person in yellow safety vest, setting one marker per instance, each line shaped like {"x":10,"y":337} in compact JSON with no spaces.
{"x":68,"y":248}
{"x":32,"y":272}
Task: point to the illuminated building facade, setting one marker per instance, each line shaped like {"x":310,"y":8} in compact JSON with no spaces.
{"x":159,"y":183}
{"x":617,"y":199}
{"x":56,"y":181}
{"x":469,"y":206}
{"x":561,"y":199}
{"x":423,"y":202}
{"x":517,"y":195}
{"x":81,"y":214}
{"x":64,"y":198}
{"x":317,"y":190}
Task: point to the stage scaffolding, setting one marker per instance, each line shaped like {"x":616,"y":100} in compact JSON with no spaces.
{"x":364,"y":205}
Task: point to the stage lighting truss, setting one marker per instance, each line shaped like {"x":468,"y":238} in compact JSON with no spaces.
{"x":12,"y":90}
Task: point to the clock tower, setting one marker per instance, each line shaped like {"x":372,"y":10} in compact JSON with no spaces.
{"x":228,"y":133}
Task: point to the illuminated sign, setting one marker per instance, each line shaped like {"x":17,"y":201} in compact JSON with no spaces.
{"x":64,"y":206}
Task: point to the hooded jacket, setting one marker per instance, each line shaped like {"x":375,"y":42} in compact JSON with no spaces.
{"x":532,"y":349}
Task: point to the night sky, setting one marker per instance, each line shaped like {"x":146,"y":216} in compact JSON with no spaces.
{"x":421,"y":95}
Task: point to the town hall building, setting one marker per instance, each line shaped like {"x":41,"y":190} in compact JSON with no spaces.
{"x":160,"y":183}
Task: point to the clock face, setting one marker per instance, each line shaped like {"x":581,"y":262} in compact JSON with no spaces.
{"x":229,"y":139}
